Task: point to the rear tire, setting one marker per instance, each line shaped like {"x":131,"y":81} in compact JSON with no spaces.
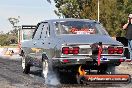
{"x":45,"y":69}
{"x":80,"y":79}
{"x":110,"y":69}
{"x":48,"y":74}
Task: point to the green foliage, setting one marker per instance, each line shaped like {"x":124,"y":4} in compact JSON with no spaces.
{"x":3,"y":39}
{"x":113,"y":13}
{"x":8,"y":38}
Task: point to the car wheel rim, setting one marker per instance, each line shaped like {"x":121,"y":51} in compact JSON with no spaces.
{"x":45,"y":69}
{"x":23,"y":63}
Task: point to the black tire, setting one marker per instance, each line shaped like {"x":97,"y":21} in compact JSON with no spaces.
{"x":102,"y":69}
{"x":67,"y":75}
{"x":110,"y":69}
{"x":27,"y":69}
{"x":80,"y":79}
{"x":49,"y":75}
{"x":25,"y":65}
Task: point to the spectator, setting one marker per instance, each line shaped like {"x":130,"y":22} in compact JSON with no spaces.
{"x":128,"y":28}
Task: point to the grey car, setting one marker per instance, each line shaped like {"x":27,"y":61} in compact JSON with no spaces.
{"x":67,"y":44}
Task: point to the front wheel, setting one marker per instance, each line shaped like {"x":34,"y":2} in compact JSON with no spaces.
{"x":25,"y":66}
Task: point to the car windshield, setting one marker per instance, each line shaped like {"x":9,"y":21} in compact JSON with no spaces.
{"x":79,"y":27}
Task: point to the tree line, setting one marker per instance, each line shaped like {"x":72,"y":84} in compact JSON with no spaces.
{"x":113,"y":13}
{"x":8,"y":38}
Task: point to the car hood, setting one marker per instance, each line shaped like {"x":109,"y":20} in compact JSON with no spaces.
{"x":87,"y":39}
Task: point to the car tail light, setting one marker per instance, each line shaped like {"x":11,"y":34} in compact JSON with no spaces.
{"x":65,"y":50}
{"x":115,"y":50}
{"x":70,"y":50}
{"x":120,"y":50}
{"x":111,"y":50}
{"x":65,"y":61}
{"x":121,"y":60}
{"x":75,"y":50}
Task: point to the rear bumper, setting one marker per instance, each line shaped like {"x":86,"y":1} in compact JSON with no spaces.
{"x":66,"y":61}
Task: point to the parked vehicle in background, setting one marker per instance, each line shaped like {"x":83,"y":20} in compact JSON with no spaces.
{"x":67,"y":44}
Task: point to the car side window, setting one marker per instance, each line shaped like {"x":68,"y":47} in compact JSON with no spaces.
{"x":101,"y":29}
{"x":42,"y":31}
{"x":45,"y":32}
{"x":38,"y":31}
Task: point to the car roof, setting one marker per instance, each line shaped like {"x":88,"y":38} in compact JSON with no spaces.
{"x":69,"y":19}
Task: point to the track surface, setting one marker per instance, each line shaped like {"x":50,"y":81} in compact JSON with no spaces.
{"x":11,"y":76}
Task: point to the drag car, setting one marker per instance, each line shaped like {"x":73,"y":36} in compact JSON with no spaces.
{"x":67,"y":44}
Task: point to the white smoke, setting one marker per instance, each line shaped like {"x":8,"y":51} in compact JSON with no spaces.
{"x":50,"y":76}
{"x":52,"y":79}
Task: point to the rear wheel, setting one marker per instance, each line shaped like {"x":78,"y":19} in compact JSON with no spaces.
{"x":110,"y":69}
{"x":65,"y":74}
{"x":48,"y":73}
{"x":45,"y":69}
{"x":106,"y":69}
{"x":80,"y":79}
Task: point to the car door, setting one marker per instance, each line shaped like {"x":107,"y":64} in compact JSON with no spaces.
{"x":42,"y":40}
{"x":36,"y":49}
